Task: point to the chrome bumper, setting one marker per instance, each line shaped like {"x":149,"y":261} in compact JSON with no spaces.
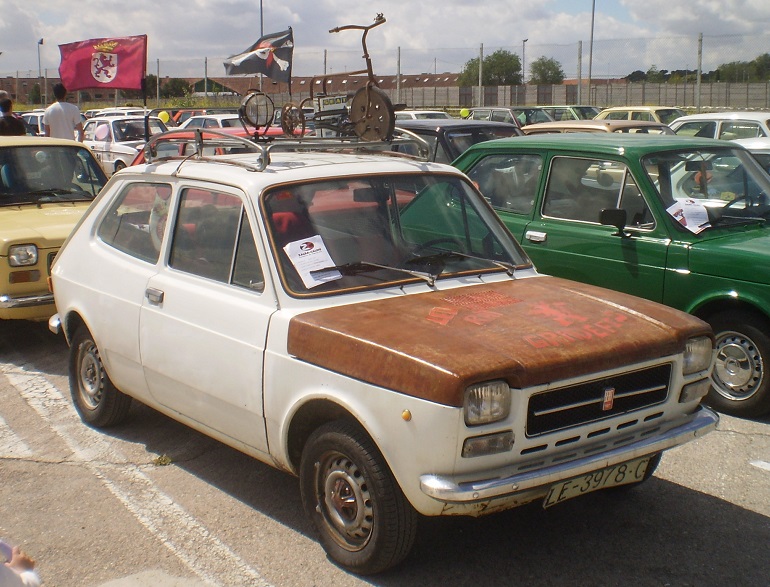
{"x":54,"y":324}
{"x":446,"y":489}
{"x":8,"y":302}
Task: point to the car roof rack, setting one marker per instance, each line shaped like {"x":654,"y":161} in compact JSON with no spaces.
{"x":217,"y":139}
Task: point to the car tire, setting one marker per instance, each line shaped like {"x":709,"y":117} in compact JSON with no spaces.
{"x":741,"y":385}
{"x":97,"y":400}
{"x":365,"y":522}
{"x":119,"y":165}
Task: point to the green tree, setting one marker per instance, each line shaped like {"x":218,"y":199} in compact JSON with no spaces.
{"x":655,"y":75}
{"x":501,"y":68}
{"x":174,"y":88}
{"x":546,"y":71}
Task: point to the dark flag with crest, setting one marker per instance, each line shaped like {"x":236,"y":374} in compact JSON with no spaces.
{"x":271,"y":55}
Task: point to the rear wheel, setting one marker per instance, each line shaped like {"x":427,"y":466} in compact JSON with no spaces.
{"x":119,"y":165}
{"x":365,"y":523}
{"x":96,"y":399}
{"x":741,"y":384}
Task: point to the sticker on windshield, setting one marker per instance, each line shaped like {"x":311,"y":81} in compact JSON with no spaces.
{"x":309,"y":257}
{"x":690,"y":214}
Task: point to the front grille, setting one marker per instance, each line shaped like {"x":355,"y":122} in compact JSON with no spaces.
{"x":572,"y":406}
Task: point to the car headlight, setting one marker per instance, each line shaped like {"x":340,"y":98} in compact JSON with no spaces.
{"x":698,"y":354}
{"x":487,"y":402}
{"x":22,"y":255}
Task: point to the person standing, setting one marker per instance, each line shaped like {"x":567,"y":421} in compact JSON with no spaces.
{"x":10,"y":124}
{"x":62,"y":119}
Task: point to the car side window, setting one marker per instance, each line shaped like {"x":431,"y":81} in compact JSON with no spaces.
{"x":739,"y":130}
{"x":136,"y":221}
{"x":213,"y":239}
{"x":698,"y":128}
{"x":508,"y":182}
{"x":580,"y":188}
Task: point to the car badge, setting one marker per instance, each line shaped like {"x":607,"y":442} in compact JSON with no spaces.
{"x":609,"y":399}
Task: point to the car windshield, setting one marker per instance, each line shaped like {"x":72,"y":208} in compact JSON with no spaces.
{"x":377,"y":231}
{"x":43,"y":174}
{"x":724,"y":185}
{"x":460,"y":141}
{"x":586,"y":112}
{"x":669,"y":115}
{"x":134,"y":130}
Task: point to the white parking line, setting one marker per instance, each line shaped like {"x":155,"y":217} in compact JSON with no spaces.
{"x":197,"y":547}
{"x":11,"y":445}
{"x":761,"y":465}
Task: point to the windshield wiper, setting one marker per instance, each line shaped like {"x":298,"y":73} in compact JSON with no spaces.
{"x":366,"y":266}
{"x":444,"y":255}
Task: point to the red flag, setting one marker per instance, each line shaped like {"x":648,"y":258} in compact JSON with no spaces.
{"x":118,"y":63}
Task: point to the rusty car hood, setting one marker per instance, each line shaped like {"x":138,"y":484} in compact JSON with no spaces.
{"x":527,"y":332}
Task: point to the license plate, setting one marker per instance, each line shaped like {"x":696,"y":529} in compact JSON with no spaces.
{"x":620,"y":474}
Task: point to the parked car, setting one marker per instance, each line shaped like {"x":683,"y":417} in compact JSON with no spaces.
{"x":115,"y":140}
{"x":675,"y":220}
{"x":447,"y":139}
{"x":45,"y":186}
{"x":420,"y":114}
{"x":212,"y":121}
{"x":760,"y":148}
{"x":619,"y":126}
{"x":724,"y":125}
{"x":366,"y":322}
{"x":662,"y":114}
{"x":519,"y":116}
{"x":33,"y":119}
{"x":572,"y":112}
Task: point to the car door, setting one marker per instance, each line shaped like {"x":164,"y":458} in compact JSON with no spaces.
{"x":127,"y":256}
{"x":565,"y":237}
{"x":97,"y":135}
{"x":205,"y":317}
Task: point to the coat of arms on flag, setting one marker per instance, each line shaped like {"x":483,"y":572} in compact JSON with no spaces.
{"x":117,"y":63}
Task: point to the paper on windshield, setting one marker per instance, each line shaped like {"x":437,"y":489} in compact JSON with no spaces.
{"x":690,"y":214}
{"x":309,"y":256}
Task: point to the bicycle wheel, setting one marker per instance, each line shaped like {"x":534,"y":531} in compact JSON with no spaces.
{"x":372,"y":114}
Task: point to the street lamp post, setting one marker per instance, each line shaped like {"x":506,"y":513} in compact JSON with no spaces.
{"x":39,"y":71}
{"x":591,"y":46}
{"x":523,"y":69}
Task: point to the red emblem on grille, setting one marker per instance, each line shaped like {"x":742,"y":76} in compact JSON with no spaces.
{"x":609,"y":399}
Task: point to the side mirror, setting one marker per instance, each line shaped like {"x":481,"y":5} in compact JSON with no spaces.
{"x":614,"y":217}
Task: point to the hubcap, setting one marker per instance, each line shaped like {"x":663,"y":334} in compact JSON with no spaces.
{"x":90,"y":376}
{"x":345,"y":502}
{"x":738,"y":371}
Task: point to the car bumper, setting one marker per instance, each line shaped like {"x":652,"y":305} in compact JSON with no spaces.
{"x":8,"y":302}
{"x":448,"y":490}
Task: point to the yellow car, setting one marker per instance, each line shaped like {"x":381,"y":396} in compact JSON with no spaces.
{"x":45,"y":187}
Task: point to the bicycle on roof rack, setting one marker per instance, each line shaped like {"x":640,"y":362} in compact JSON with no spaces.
{"x":368,"y":114}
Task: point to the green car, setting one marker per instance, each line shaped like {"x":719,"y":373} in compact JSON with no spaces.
{"x":677,"y":220}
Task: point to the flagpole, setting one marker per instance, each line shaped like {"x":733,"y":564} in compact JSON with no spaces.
{"x":261,"y":34}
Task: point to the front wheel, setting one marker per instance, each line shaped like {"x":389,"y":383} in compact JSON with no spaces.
{"x":96,"y":399}
{"x":365,"y":522}
{"x":741,"y":386}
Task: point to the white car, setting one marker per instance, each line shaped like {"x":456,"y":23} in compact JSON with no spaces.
{"x":724,"y":125}
{"x":367,"y":323}
{"x":760,"y":148}
{"x":421,"y":114}
{"x":116,"y":140}
{"x":212,"y":121}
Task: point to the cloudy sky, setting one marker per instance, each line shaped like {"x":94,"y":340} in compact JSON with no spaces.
{"x":192,"y":37}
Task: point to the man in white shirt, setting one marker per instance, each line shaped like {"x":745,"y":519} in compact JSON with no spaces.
{"x":62,"y":119}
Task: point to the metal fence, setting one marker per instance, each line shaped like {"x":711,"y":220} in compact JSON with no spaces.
{"x":606,"y":63}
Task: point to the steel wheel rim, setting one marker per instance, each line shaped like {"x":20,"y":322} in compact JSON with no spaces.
{"x":739,"y":369}
{"x":344,"y":501}
{"x":90,"y":376}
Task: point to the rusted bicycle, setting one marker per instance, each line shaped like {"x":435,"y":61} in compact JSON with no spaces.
{"x":370,"y":114}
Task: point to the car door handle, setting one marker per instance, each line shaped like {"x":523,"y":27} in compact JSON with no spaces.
{"x":154,"y":296}
{"x":535,"y":236}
